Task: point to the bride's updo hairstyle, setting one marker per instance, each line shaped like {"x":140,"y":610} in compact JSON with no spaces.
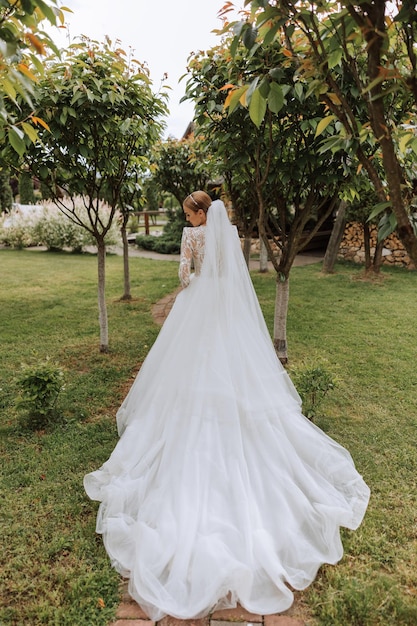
{"x":197,"y":200}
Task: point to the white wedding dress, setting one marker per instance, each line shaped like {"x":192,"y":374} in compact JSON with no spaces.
{"x":219,"y":490}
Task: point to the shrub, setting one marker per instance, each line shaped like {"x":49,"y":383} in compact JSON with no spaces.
{"x":39,"y":387}
{"x":17,"y":230}
{"x":313,"y":382}
{"x":56,"y":232}
{"x":46,"y":225}
{"x":6,"y":194}
{"x":26,"y":192}
{"x":170,"y":240}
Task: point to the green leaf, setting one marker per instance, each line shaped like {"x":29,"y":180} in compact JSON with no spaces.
{"x":386,"y":226}
{"x":276,"y":73}
{"x":264,"y":87}
{"x":235,"y":98}
{"x":414,"y":146}
{"x":275,"y":98}
{"x":28,"y":6}
{"x":47,"y":11}
{"x":334,"y":58}
{"x":299,"y":91}
{"x":16,"y":140}
{"x":257,"y":108}
{"x":323,"y":124}
{"x":378,"y":208}
{"x":30,"y":132}
{"x":9,"y":88}
{"x":249,"y":36}
{"x":332,"y":144}
{"x":404,"y":141}
{"x":43,"y":171}
{"x":84,"y":151}
{"x":379,"y":79}
{"x":271,"y":32}
{"x":234,"y":46}
{"x":252,"y":88}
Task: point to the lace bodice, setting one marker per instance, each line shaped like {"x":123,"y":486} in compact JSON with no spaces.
{"x":192,"y":250}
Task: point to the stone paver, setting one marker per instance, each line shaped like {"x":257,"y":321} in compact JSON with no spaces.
{"x":129,"y":613}
{"x":232,"y":615}
{"x":239,"y":616}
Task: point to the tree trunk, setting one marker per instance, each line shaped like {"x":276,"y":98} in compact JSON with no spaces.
{"x":376,"y":40}
{"x":246,"y":248}
{"x":102,"y":308}
{"x":126,"y":274}
{"x":335,"y":239}
{"x":372,"y":264}
{"x":280,"y":319}
{"x":367,"y":246}
{"x":263,"y":256}
{"x":377,"y":262}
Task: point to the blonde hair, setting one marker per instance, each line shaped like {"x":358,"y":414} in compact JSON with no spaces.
{"x":197,"y":200}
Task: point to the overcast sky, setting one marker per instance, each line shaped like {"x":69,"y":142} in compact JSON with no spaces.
{"x":161,"y":33}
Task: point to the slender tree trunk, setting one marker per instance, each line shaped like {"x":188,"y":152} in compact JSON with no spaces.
{"x":335,"y":239}
{"x":367,"y":246}
{"x":102,"y":308}
{"x":246,"y":248}
{"x":377,"y":262}
{"x":126,"y":274}
{"x":263,"y":256}
{"x":280,"y":319}
{"x":372,"y":264}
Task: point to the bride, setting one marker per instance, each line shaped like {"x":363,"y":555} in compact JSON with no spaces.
{"x":219,"y":490}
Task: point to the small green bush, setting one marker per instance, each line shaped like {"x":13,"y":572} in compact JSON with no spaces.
{"x":160,"y":244}
{"x":170,"y":240}
{"x":313,"y":382}
{"x":39,"y":386}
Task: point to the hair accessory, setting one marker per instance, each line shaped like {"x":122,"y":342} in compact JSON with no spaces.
{"x":196,"y":203}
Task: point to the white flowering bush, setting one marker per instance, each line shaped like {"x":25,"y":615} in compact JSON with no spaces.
{"x":17,"y":229}
{"x":56,"y":232}
{"x":47,"y":226}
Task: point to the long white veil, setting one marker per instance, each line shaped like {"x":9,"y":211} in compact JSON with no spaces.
{"x":233,"y":300}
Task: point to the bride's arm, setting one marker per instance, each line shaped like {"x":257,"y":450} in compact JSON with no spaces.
{"x":185,"y":258}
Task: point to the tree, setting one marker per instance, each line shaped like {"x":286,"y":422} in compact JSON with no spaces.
{"x":26,"y":194}
{"x":181,"y":166}
{"x":101,"y":113}
{"x":22,"y":45}
{"x":6,"y":194}
{"x":359,"y":44}
{"x":130,"y":195}
{"x":275,"y":160}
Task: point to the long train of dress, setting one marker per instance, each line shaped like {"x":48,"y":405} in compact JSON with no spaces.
{"x":219,"y":490}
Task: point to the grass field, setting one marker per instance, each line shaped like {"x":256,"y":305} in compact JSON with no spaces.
{"x":54,"y":568}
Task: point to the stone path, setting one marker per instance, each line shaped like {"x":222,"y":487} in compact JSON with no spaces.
{"x":128,"y":612}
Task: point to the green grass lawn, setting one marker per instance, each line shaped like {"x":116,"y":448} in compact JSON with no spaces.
{"x":54,"y":569}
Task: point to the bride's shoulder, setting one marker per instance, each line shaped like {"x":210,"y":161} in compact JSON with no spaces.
{"x":194,"y":232}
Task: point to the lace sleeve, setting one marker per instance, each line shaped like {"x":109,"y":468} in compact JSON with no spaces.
{"x":185,"y":259}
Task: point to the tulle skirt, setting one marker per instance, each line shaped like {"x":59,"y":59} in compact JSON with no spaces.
{"x":219,"y":490}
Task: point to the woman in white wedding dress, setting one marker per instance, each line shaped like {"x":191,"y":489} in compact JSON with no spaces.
{"x":219,"y":490}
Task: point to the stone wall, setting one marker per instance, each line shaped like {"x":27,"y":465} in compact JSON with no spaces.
{"x":352,"y":247}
